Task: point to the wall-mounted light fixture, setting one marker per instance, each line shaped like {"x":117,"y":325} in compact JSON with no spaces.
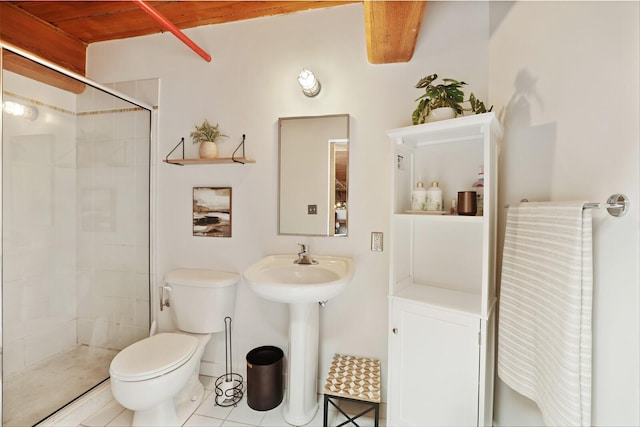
{"x":310,"y":85}
{"x":20,"y":110}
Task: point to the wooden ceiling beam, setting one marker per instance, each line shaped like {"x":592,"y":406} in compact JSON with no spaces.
{"x":392,"y":29}
{"x":26,"y":67}
{"x":34,"y":35}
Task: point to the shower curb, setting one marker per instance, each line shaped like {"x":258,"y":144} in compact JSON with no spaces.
{"x":82,"y":408}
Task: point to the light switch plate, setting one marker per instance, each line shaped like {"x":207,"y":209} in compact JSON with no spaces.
{"x":376,"y":241}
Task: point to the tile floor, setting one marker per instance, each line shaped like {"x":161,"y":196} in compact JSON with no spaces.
{"x":211,"y":415}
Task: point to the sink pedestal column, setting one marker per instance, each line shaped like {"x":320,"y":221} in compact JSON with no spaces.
{"x":301,"y":399}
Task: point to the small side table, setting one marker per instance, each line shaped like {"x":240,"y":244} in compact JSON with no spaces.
{"x":355,"y":379}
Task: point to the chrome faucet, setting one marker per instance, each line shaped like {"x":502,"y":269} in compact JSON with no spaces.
{"x":303,"y":256}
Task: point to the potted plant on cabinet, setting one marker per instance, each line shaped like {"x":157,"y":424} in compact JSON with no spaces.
{"x":443,"y":101}
{"x":206,"y":135}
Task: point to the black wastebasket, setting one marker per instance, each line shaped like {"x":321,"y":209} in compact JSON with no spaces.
{"x":264,"y":378}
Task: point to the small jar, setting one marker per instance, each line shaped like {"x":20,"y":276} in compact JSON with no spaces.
{"x":434,"y":197}
{"x":453,"y":210}
{"x":419,"y":197}
{"x":467,"y":203}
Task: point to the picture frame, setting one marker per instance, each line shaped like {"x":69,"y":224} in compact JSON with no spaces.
{"x":212,"y":211}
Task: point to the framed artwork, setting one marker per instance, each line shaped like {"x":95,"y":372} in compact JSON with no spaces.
{"x":212,"y":211}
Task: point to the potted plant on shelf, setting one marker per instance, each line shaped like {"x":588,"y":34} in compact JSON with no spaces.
{"x":443,"y":101}
{"x":206,"y":135}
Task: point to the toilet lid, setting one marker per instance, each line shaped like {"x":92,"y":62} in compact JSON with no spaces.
{"x":153,"y":356}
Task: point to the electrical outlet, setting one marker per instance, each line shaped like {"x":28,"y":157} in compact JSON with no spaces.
{"x":312,"y":209}
{"x":376,"y":241}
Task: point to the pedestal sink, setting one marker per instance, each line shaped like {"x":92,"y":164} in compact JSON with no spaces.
{"x":278,"y":278}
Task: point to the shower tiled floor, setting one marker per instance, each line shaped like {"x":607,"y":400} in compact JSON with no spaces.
{"x":211,"y":415}
{"x":53,"y":384}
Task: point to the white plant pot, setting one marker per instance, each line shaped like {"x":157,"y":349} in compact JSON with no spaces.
{"x":442,"y":113}
{"x":208,"y":150}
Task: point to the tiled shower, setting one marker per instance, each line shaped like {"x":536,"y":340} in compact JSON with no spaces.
{"x":75,"y":239}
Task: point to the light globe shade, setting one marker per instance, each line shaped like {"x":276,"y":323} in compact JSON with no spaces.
{"x":310,"y":85}
{"x":20,"y":110}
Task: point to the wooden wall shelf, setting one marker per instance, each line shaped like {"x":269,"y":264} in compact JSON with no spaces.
{"x":219,"y":160}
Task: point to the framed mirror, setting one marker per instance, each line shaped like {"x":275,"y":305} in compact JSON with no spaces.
{"x":313,"y":178}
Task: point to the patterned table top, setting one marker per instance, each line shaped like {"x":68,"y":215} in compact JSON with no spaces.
{"x":354,"y":378}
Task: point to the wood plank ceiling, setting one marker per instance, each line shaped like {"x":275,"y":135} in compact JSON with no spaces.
{"x":60,"y":31}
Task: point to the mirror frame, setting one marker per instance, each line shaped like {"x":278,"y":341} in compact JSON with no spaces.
{"x":333,"y":142}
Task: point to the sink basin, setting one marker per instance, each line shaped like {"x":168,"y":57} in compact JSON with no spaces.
{"x":302,"y":287}
{"x":278,"y":278}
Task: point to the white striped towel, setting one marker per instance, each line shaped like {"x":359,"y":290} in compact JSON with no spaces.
{"x":544,"y":329}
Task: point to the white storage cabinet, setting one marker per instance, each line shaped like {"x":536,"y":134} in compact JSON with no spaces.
{"x":442,"y":289}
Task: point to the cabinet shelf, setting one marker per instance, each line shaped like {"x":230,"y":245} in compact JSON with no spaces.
{"x":455,"y":130}
{"x":443,"y":218}
{"x":447,"y":299}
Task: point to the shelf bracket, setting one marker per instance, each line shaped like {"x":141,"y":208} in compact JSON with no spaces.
{"x":241,"y":145}
{"x":174,"y":162}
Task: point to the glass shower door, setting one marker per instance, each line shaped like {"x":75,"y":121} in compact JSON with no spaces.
{"x":75,"y":237}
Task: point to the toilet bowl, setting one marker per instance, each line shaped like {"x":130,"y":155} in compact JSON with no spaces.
{"x":157,"y":377}
{"x":146,"y":377}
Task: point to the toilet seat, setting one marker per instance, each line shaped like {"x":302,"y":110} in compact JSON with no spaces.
{"x":153,"y":357}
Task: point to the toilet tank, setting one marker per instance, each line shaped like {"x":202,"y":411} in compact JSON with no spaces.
{"x":200,"y":299}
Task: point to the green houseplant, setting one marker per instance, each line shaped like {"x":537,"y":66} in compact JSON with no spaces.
{"x":447,"y":95}
{"x":206,"y":135}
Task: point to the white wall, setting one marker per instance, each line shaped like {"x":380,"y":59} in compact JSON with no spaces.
{"x":250,"y":83}
{"x":564,"y":79}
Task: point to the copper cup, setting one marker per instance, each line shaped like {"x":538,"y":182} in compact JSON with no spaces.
{"x":467,"y":204}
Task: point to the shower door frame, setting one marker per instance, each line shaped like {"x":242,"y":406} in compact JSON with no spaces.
{"x":152,"y":187}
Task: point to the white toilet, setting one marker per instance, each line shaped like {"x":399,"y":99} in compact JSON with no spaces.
{"x":157,"y":377}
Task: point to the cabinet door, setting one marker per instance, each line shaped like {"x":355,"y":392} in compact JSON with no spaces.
{"x":433,"y":367}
